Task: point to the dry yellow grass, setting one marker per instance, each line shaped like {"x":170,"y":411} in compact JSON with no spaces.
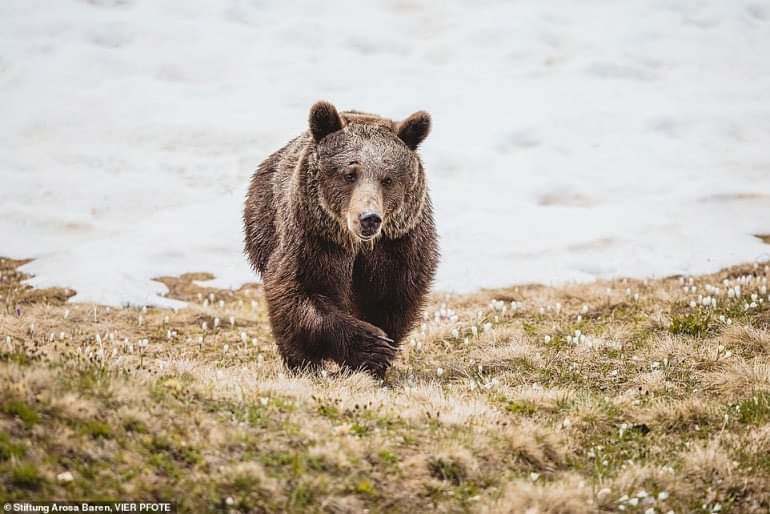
{"x":622,"y":395}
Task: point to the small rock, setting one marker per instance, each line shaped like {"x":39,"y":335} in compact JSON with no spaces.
{"x":65,"y":477}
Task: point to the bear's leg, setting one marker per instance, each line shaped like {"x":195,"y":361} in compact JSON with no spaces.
{"x":310,"y":327}
{"x":391,"y":284}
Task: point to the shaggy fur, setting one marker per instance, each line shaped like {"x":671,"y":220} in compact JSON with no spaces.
{"x":333,"y":292}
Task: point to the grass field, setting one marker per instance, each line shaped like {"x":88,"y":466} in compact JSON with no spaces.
{"x":616,"y":396}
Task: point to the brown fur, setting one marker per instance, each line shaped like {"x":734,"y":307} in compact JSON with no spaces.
{"x":331,"y":294}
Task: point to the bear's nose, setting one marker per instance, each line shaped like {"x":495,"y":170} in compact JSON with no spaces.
{"x":370,"y":222}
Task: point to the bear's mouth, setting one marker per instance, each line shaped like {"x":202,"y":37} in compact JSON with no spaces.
{"x":360,"y":232}
{"x":363,"y":237}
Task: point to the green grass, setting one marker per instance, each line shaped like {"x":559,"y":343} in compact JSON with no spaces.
{"x":754,"y":410}
{"x":514,"y":423}
{"x":448,"y":470}
{"x":522,"y":407}
{"x":21,"y":410}
{"x":26,"y":476}
{"x":96,"y":429}
{"x":694,"y":323}
{"x":9,"y":449}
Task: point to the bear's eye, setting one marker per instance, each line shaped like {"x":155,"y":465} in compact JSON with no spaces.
{"x":350,"y":177}
{"x":387,"y":181}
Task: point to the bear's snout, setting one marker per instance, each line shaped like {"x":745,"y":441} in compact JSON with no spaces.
{"x":365,"y":212}
{"x":370,"y":223}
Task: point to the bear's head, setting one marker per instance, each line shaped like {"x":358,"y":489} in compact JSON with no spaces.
{"x":370,"y":178}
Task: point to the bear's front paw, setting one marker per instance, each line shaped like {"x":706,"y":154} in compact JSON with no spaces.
{"x":371,"y":350}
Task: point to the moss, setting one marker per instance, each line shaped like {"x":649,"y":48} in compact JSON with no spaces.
{"x":22,"y":410}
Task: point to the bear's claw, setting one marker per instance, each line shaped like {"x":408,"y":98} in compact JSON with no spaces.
{"x":372,"y":351}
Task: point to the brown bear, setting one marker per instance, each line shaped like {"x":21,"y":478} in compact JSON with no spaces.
{"x":339,"y":223}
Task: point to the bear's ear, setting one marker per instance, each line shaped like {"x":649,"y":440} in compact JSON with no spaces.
{"x":414,"y":129}
{"x":324,"y":120}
